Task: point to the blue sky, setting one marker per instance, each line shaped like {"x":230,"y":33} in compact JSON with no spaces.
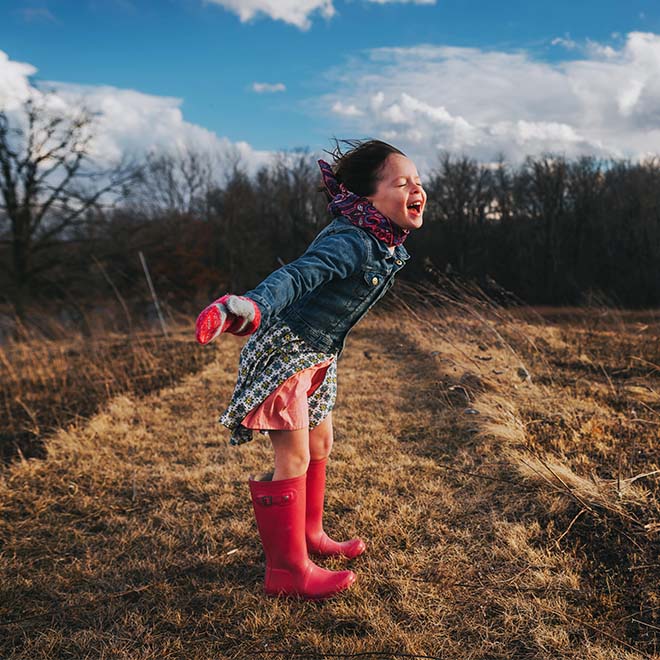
{"x":476,"y":76}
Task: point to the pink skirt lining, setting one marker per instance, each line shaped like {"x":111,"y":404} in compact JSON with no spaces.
{"x":285,"y":408}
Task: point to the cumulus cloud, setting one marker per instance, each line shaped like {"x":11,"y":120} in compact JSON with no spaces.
{"x":346,"y":110}
{"x":565,"y":42}
{"x":294,"y":12}
{"x":14,"y":83}
{"x":126,"y":122}
{"x":483,"y":103}
{"x":268,"y":88}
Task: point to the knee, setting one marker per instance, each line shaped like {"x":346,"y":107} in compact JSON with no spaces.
{"x":298,"y":462}
{"x":291,"y":452}
{"x":320,"y":444}
{"x":293,"y":461}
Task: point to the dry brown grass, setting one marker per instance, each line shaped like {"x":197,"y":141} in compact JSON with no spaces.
{"x":52,"y":376}
{"x":505,"y":491}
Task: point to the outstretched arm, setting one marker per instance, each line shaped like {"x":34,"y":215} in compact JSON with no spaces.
{"x":332,"y":256}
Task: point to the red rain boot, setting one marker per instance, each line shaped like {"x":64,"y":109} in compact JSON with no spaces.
{"x":318,"y":542}
{"x":279,"y":507}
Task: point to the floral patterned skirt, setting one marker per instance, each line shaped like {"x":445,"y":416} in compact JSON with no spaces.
{"x":270,"y":357}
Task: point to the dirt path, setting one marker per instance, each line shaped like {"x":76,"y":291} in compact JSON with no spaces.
{"x":135,"y":537}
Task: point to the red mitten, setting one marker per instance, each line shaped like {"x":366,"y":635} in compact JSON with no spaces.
{"x":235,"y":314}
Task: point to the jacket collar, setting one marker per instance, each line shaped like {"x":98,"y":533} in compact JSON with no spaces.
{"x":400,"y":252}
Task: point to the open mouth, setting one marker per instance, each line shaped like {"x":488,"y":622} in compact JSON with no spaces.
{"x":415,"y":208}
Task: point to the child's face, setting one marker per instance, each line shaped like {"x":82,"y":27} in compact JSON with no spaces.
{"x":399,"y":195}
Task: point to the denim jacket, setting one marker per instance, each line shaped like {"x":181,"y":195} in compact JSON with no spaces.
{"x":326,"y":291}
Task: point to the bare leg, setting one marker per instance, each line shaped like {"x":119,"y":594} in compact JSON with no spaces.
{"x":291,"y":453}
{"x":320,"y":445}
{"x":320,"y":439}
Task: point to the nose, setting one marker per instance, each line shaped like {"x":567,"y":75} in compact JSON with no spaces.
{"x":417,"y":188}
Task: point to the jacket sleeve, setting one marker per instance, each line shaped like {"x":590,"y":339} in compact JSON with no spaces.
{"x":336,"y":255}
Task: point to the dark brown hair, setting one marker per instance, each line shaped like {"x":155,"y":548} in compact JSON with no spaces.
{"x":358,"y":168}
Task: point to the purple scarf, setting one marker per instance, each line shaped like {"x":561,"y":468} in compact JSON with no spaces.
{"x":359,"y":210}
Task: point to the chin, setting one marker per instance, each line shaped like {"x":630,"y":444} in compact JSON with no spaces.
{"x":410,"y":223}
{"x":414,"y":224}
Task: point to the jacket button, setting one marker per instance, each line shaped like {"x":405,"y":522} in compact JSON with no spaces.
{"x":398,"y":262}
{"x":374,"y":281}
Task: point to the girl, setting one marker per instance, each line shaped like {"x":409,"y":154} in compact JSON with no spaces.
{"x":299,"y":317}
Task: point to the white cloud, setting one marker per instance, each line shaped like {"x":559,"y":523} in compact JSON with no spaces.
{"x":14,"y":84}
{"x":127,"y":122}
{"x":346,"y":110}
{"x":596,"y":50}
{"x":268,"y":88}
{"x":565,"y":42}
{"x":483,"y":103}
{"x":294,"y":12}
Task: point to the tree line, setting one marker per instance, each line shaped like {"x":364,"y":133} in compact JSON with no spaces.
{"x":552,"y":230}
{"x":549,"y":230}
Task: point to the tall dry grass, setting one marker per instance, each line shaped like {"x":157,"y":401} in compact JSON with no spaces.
{"x":491,"y":460}
{"x":54,"y":373}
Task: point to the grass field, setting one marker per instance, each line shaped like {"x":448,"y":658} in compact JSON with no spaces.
{"x":502,"y":467}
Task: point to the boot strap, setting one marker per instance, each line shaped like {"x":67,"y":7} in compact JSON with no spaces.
{"x":276,"y":500}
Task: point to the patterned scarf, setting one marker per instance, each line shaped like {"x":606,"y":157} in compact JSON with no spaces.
{"x":359,"y":210}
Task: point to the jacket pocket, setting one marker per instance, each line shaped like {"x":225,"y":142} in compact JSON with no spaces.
{"x":373,"y":278}
{"x":367,"y":284}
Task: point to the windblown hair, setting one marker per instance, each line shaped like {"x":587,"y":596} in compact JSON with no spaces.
{"x":359,"y":166}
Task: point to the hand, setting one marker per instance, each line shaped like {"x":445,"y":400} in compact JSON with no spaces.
{"x":235,"y":314}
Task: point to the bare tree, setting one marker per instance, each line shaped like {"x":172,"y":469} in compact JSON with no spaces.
{"x":177,"y":182}
{"x":461,"y":194}
{"x":48,"y":184}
